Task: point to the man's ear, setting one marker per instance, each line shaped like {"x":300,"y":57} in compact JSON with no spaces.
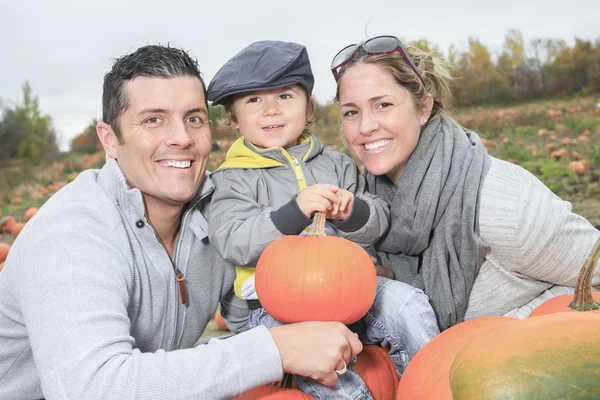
{"x":108,"y":139}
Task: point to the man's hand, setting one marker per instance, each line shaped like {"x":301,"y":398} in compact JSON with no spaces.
{"x":319,"y":197}
{"x":316,"y":349}
{"x":342,"y":207}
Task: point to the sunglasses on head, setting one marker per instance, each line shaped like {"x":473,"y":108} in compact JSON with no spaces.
{"x":377,"y":45}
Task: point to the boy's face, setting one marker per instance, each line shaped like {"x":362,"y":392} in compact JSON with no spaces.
{"x":272,"y":118}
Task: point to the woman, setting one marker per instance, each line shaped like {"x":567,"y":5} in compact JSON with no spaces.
{"x":481,"y":236}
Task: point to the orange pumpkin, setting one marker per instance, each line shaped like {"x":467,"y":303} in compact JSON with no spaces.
{"x":378,"y":372}
{"x":315,"y":278}
{"x":426,"y":376}
{"x":583,"y":299}
{"x":16,"y":229}
{"x":4,"y":249}
{"x":272,"y":393}
{"x":220,"y":321}
{"x":31,"y":211}
{"x":7,"y":223}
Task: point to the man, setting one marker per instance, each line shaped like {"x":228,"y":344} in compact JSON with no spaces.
{"x":107,"y":289}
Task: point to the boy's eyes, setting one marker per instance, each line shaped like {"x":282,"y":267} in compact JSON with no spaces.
{"x":256,"y":99}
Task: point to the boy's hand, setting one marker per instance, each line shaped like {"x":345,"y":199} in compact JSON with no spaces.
{"x":342,"y":207}
{"x":319,"y":197}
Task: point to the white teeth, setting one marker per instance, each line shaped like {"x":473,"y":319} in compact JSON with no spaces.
{"x":176,"y":164}
{"x":273,"y":127}
{"x":376,"y":145}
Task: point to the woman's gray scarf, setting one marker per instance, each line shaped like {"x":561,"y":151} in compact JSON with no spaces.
{"x":433,"y":242}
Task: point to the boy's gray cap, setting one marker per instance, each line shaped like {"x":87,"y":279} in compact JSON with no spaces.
{"x":262,"y":65}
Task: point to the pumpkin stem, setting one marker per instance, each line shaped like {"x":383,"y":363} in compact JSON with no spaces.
{"x":317,"y":228}
{"x":582,"y":298}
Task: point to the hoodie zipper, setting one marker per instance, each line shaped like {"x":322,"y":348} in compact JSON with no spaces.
{"x":296,"y":168}
{"x":179,"y":277}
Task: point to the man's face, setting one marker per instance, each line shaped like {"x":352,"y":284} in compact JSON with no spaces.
{"x":165,"y":139}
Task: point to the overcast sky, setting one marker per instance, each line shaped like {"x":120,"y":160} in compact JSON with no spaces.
{"x":63,"y":48}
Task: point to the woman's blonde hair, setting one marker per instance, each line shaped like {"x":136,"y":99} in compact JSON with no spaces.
{"x":434,"y":70}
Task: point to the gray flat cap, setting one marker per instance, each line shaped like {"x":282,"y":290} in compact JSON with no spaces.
{"x":263,"y":65}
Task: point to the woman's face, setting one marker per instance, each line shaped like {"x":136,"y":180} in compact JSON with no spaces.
{"x":380,"y":120}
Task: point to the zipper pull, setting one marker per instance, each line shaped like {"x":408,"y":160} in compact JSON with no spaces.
{"x":181,"y":282}
{"x":296,"y":168}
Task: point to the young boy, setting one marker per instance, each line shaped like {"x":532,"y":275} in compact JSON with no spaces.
{"x":277,"y":175}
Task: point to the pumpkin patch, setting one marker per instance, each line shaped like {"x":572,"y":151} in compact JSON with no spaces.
{"x":7,"y":223}
{"x":4,"y":249}
{"x":29,"y":213}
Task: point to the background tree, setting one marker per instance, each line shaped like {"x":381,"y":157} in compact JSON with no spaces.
{"x":477,"y":80}
{"x":514,"y":67}
{"x":570,"y":68}
{"x":25,"y":132}
{"x":87,"y":142}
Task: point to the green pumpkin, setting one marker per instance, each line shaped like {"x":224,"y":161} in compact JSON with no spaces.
{"x":554,"y":356}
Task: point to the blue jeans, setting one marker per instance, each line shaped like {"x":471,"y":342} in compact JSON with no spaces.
{"x":400,"y":319}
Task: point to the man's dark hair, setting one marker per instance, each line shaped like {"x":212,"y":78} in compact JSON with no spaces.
{"x":149,"y":61}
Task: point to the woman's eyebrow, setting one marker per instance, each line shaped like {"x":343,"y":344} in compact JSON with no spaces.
{"x":371,"y":100}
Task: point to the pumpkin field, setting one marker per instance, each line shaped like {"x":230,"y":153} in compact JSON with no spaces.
{"x":558,"y":141}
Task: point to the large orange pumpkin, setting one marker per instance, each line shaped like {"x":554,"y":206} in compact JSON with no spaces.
{"x":426,"y":376}
{"x":583,"y":299}
{"x":272,"y":393}
{"x":315,"y":278}
{"x":378,"y":372}
{"x":4,"y":249}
